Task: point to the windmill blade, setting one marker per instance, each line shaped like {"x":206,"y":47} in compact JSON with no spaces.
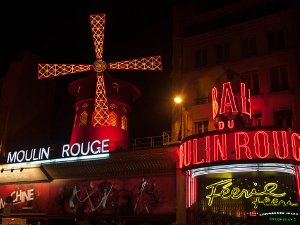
{"x":54,"y":70}
{"x":101,"y":112}
{"x":98,"y":27}
{"x":148,"y":63}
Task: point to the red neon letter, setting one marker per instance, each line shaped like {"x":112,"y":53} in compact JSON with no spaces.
{"x":230,"y":124}
{"x":297,"y":181}
{"x":227,"y":100}
{"x":221,"y":125}
{"x":207,"y":149}
{"x":215,"y":105}
{"x":195,"y":153}
{"x":295,"y":146}
{"x":257,"y":144}
{"x":187,"y":153}
{"x":218,"y":147}
{"x":181,"y":156}
{"x":284,"y":144}
{"x":244,"y":145}
{"x":245,"y":100}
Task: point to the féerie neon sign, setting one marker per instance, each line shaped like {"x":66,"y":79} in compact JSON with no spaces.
{"x":267,"y":197}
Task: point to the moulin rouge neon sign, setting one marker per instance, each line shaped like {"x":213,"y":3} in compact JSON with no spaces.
{"x":234,"y":146}
{"x":229,"y":106}
{"x":267,"y":197}
{"x":68,"y":152}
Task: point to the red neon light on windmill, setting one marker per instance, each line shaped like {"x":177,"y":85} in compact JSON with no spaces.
{"x":101,"y":111}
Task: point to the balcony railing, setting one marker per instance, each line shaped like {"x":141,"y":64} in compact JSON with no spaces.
{"x":200,"y":101}
{"x":150,"y":142}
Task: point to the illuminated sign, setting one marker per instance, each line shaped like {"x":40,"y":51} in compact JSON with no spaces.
{"x":283,"y":219}
{"x":267,"y":197}
{"x":279,"y":213}
{"x":233,"y":146}
{"x":20,"y":196}
{"x":14,"y":221}
{"x":76,"y":150}
{"x":233,"y":101}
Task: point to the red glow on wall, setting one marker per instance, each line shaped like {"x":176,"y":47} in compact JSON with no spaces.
{"x":245,"y":145}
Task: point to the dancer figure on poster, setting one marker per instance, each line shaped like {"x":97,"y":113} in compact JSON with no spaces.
{"x":105,"y":196}
{"x":147,"y":197}
{"x":141,"y":196}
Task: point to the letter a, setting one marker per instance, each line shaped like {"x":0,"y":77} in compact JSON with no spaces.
{"x":227,"y":100}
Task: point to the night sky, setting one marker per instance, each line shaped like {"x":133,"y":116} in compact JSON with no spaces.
{"x":60,"y":33}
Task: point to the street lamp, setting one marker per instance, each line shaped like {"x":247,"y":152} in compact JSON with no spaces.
{"x":178,"y":101}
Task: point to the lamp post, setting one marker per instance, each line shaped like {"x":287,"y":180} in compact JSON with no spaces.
{"x":178,"y":101}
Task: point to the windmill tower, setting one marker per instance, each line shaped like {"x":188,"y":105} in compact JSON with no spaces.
{"x":99,"y":116}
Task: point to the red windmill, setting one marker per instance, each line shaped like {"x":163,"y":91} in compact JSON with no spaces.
{"x":101,"y":110}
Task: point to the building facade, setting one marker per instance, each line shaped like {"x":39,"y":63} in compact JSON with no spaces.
{"x":234,"y":152}
{"x":216,"y":48}
{"x":95,"y":175}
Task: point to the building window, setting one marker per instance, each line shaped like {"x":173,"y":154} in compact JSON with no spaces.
{"x":251,"y":79}
{"x":83,"y":118}
{"x":124,"y":123}
{"x":222,"y":53}
{"x":283,"y":118}
{"x":276,"y":40}
{"x":279,"y":78}
{"x":201,"y":58}
{"x":115,"y":87}
{"x":124,"y":110}
{"x":113,"y":119}
{"x":256,"y":119}
{"x":201,"y":127}
{"x":85,"y":105}
{"x":248,"y":46}
{"x":201,"y":100}
{"x":113,"y":106}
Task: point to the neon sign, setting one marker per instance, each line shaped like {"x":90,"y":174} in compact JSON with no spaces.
{"x":20,"y":196}
{"x":232,"y":102}
{"x":248,"y":145}
{"x":282,"y":219}
{"x":76,"y":150}
{"x":267,"y":197}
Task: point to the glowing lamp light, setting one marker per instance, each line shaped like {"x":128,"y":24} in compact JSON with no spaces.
{"x":178,"y":100}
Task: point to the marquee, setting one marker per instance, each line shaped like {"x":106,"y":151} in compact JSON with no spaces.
{"x":241,"y":145}
{"x":77,"y":151}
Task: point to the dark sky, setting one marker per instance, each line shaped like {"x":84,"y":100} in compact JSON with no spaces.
{"x":60,"y":32}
